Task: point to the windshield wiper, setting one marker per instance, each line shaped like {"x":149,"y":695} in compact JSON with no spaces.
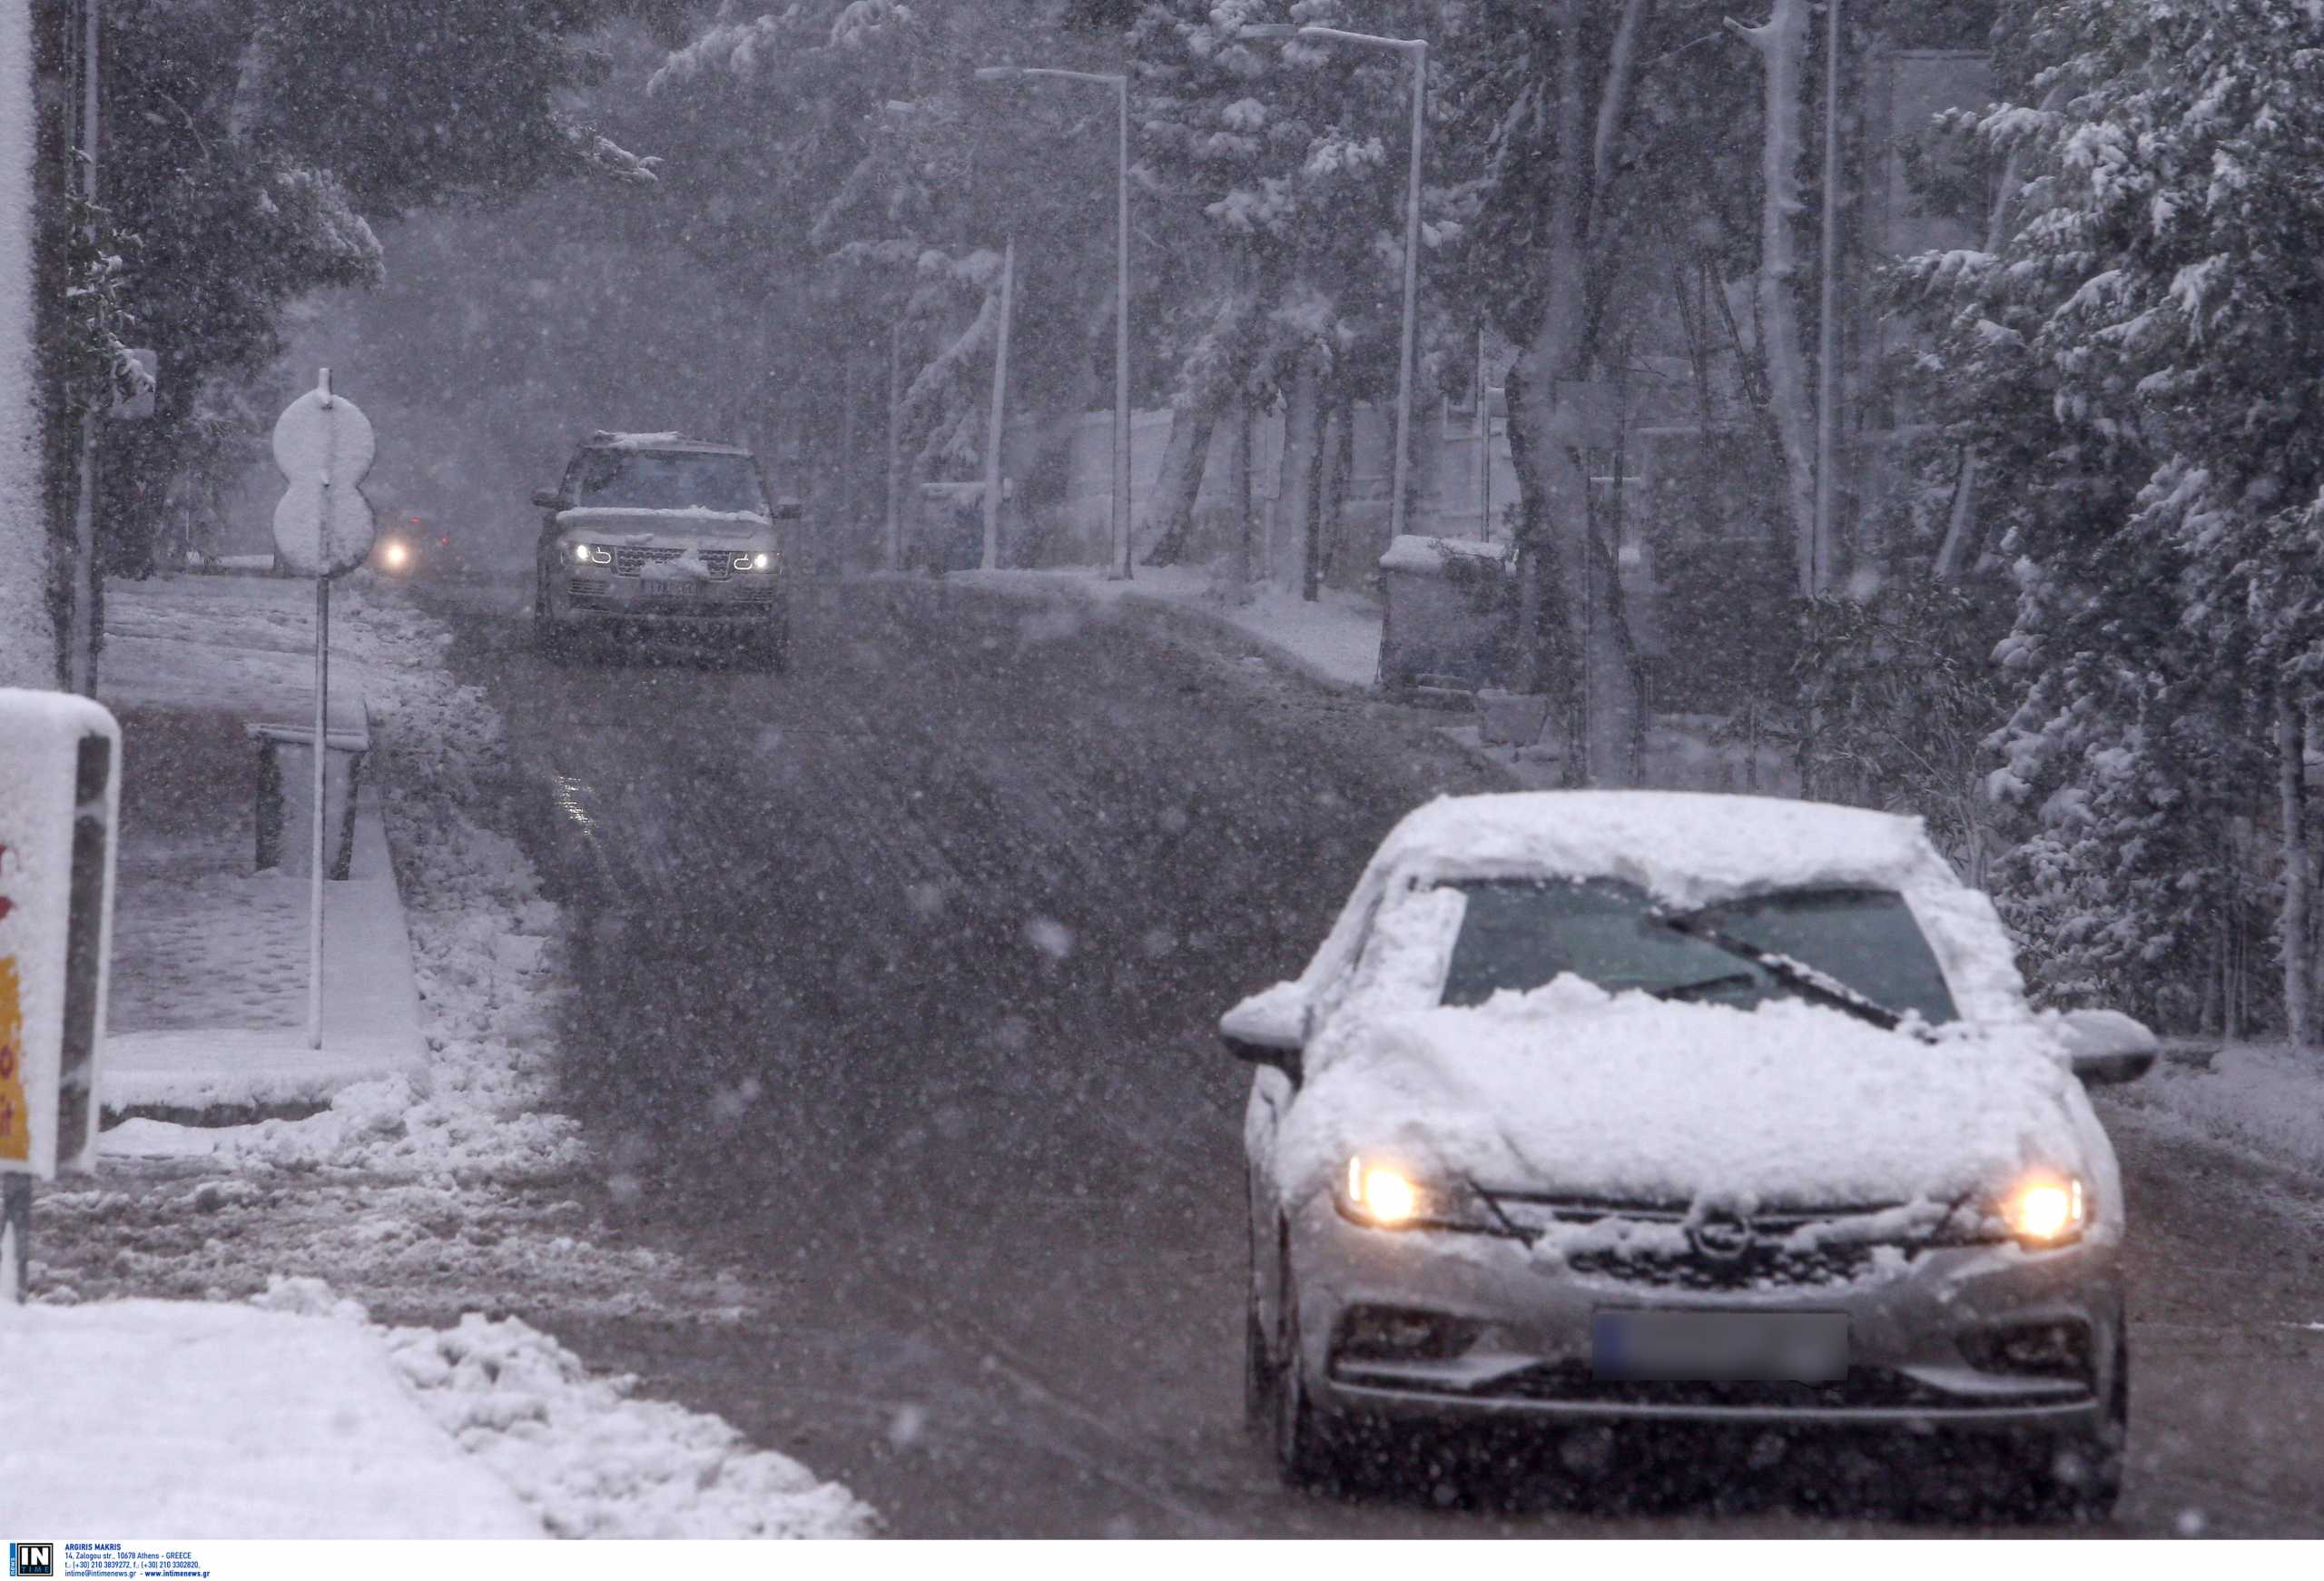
{"x":1809,"y":983}
{"x":1706,"y":986}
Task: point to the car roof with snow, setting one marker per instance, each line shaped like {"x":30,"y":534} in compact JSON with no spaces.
{"x":606,"y":440}
{"x":1685,"y":848}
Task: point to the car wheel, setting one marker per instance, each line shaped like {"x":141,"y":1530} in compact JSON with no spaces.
{"x":2080,"y":1477}
{"x":1259,"y":1363}
{"x":1303,"y":1449}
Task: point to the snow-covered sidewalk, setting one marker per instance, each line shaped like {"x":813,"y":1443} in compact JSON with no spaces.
{"x":293,"y":1414}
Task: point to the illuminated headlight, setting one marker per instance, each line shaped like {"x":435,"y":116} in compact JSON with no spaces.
{"x":2046,"y":1211}
{"x":581,"y":553}
{"x":1390,"y":1197}
{"x":396,"y":554}
{"x":761,"y":561}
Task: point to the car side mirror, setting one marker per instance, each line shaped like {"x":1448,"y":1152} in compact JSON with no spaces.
{"x":548,"y":499}
{"x":2105,"y":1045}
{"x":1270,"y":1028}
{"x":786,"y":508}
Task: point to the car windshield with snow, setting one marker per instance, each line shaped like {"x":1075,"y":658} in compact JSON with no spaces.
{"x":1639,"y":1107}
{"x":1858,"y":948}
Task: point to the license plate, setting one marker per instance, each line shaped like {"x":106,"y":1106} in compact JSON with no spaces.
{"x":669,"y":590}
{"x":1720,"y":1347}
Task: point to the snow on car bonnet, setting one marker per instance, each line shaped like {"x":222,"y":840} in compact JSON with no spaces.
{"x":1621,"y":1096}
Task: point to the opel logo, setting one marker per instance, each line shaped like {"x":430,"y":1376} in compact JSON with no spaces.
{"x":1720,"y":1235}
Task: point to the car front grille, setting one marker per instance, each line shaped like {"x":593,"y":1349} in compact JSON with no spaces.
{"x":718,"y":563}
{"x":630,"y":562}
{"x":1761,"y":1268}
{"x":1842,"y":1246}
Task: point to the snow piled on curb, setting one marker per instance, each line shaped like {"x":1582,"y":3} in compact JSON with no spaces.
{"x":2267,"y":1099}
{"x":583,"y":1454}
{"x":482,"y":936}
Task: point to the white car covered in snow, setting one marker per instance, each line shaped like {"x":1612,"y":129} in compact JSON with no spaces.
{"x":661,"y":535}
{"x":1669,"y":1108}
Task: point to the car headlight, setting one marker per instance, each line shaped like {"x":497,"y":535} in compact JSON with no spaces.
{"x":2046,"y":1209}
{"x":395,"y":554}
{"x":581,"y":553}
{"x":1388,"y":1196}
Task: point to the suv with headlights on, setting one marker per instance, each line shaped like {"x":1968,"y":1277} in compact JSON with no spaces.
{"x":1684,"y":1109}
{"x":661,"y":535}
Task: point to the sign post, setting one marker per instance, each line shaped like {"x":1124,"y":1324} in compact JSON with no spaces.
{"x":59,"y":793}
{"x":322,"y":528}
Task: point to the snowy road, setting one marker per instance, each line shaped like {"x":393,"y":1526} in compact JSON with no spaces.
{"x":893,"y":986}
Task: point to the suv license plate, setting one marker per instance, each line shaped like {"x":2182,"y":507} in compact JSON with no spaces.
{"x":654,"y":589}
{"x":1720,"y":1347}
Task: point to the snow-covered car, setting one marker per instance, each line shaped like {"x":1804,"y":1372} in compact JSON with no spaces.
{"x":659,"y":534}
{"x":1606,"y":1106}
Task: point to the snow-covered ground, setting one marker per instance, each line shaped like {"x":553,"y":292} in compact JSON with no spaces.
{"x":289,"y":1412}
{"x":294,"y":1416}
{"x":1335,"y":639}
{"x":2266,"y":1098}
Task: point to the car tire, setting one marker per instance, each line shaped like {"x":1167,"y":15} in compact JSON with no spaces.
{"x":2080,"y":1476}
{"x":1304,"y":1455}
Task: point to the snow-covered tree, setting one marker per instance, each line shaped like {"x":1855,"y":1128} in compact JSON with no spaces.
{"x":2140,"y":364}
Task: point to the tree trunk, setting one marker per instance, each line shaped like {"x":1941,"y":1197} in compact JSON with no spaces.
{"x":2291,"y":782}
{"x":1556,"y":537}
{"x":1303,"y":453}
{"x":1782,"y":46}
{"x":1239,"y":566}
{"x":1170,"y":511}
{"x":1338,"y":464}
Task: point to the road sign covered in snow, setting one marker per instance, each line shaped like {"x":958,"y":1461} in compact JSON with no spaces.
{"x":324,"y":445}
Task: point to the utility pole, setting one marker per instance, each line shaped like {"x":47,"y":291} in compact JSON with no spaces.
{"x":1000,"y":412}
{"x":1416,"y":50}
{"x":82,"y":662}
{"x":895,"y":541}
{"x":1827,"y":335}
{"x":1117,"y":567}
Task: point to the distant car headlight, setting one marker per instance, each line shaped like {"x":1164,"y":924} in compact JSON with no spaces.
{"x":2046,"y":1209}
{"x":396,"y":554}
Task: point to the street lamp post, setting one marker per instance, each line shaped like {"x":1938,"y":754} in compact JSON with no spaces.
{"x":1119,"y":567}
{"x":1417,"y":50}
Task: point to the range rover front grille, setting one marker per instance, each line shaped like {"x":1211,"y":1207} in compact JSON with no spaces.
{"x":630,"y":562}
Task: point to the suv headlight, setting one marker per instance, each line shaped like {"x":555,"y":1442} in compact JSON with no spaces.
{"x":2046,"y":1209}
{"x":590,"y":554}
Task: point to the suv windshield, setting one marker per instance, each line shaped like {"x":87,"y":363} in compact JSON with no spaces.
{"x":1519,"y":933}
{"x":664,"y":480}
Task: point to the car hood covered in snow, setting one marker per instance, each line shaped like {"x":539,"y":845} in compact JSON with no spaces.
{"x":630,"y":524}
{"x":1625,"y":1097}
